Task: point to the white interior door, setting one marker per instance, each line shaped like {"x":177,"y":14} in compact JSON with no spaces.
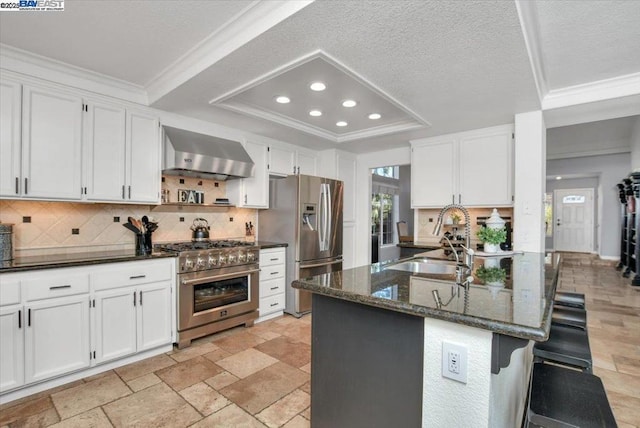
{"x":573,"y":220}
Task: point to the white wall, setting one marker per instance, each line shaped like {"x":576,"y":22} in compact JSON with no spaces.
{"x":611,"y":169}
{"x":404,"y":210}
{"x":366,"y":161}
{"x":635,"y":146}
{"x":529,"y":182}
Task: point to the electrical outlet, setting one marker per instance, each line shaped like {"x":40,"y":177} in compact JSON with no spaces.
{"x":454,"y":362}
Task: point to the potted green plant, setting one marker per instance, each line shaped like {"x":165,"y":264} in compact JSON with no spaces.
{"x":491,"y":275}
{"x":492,"y":238}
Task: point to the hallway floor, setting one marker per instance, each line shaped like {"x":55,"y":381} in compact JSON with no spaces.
{"x":259,"y":376}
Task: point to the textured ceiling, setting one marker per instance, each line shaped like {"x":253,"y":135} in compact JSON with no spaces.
{"x":586,"y":41}
{"x":456,"y":65}
{"x":130,"y":40}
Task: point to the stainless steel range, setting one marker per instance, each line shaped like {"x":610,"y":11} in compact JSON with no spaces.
{"x":217,"y":286}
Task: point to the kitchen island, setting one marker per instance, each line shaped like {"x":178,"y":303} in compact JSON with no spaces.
{"x":378,"y":336}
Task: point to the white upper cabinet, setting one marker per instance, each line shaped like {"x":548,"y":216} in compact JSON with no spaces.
{"x":282,"y":161}
{"x":143,"y":162}
{"x":307,"y":163}
{"x":104,"y":152}
{"x":473,"y":168}
{"x":51,"y":144}
{"x":287,"y":160}
{"x":252,"y":192}
{"x":121,"y":154}
{"x":10,"y":142}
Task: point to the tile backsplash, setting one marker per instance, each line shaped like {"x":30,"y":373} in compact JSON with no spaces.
{"x":42,"y":228}
{"x":427,"y":218}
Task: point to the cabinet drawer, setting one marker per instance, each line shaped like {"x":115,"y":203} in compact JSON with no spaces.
{"x":56,"y":286}
{"x":272,"y":257}
{"x":271,"y":304}
{"x":134,"y":273}
{"x":271,"y":272}
{"x":271,"y":287}
{"x":9,"y":292}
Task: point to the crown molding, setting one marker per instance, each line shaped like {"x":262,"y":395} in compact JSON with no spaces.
{"x":333,"y":137}
{"x":601,"y":90}
{"x":528,"y":16}
{"x":251,"y":22}
{"x":24,"y":62}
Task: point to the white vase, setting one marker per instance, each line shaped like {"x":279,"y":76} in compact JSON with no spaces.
{"x":491,"y":248}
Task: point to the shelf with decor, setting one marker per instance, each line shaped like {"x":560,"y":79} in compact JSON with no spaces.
{"x":190,"y":208}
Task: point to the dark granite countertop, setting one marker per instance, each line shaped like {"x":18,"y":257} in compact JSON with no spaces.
{"x":522,"y":308}
{"x":266,"y":244}
{"x":19,"y":264}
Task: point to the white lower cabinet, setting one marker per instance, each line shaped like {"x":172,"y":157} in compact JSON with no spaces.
{"x":131,"y":319}
{"x":12,"y":347}
{"x":56,"y":337}
{"x":273,"y":273}
{"x":57,"y":321}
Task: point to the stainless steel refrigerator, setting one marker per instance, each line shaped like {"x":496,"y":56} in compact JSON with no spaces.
{"x":306,"y":213}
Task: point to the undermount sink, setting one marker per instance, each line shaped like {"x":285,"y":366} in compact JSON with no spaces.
{"x":425,"y":266}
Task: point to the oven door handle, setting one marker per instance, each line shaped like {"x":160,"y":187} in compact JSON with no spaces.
{"x":217,"y":277}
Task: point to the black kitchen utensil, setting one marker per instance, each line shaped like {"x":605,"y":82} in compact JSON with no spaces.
{"x":132,"y":228}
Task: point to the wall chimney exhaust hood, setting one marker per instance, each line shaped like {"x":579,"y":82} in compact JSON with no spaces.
{"x":191,"y":154}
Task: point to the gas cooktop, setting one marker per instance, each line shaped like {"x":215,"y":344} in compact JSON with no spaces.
{"x":203,"y":245}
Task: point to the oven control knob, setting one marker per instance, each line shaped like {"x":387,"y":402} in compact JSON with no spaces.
{"x":222,"y":260}
{"x":251,"y":257}
{"x":242,"y":257}
{"x":200,"y":263}
{"x":231,"y":258}
{"x":213,"y":261}
{"x":188,"y":263}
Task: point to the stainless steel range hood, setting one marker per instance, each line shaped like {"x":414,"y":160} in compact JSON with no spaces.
{"x":191,"y":154}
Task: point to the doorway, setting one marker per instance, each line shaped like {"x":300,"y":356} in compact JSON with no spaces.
{"x":573,"y":220}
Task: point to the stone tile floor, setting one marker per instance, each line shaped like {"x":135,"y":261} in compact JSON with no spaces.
{"x":259,"y":376}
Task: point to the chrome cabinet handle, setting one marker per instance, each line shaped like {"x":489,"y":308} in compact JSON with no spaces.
{"x":29,"y":317}
{"x":137,"y":276}
{"x":59,"y":287}
{"x":17,"y":186}
{"x":274,"y":288}
{"x":274,"y":273}
{"x":273,"y":304}
{"x":123,"y":191}
{"x":20,"y":318}
{"x":129,"y":192}
{"x":26,"y":186}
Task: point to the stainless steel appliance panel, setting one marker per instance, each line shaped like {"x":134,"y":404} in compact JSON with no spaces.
{"x":306,"y":213}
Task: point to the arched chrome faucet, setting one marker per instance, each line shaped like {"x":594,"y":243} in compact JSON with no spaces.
{"x":468,"y":252}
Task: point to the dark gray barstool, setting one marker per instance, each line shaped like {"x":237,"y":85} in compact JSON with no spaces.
{"x":566,"y":345}
{"x":561,"y":397}
{"x":565,"y":298}
{"x":573,"y":317}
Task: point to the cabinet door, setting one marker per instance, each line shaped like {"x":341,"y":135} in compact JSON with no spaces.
{"x":307,"y":163}
{"x":104,"y":152}
{"x":281,"y":161}
{"x":154,"y":315}
{"x":256,"y":188}
{"x":143,"y":165}
{"x":10,"y":143}
{"x":11,"y":348}
{"x":433,"y":173}
{"x":115,"y":324}
{"x":56,"y":337}
{"x":51,"y":144}
{"x":485,"y":169}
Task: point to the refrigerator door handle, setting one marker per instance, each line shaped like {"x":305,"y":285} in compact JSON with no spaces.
{"x":322,"y":228}
{"x":329,"y":217}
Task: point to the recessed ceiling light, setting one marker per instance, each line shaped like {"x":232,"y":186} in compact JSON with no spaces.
{"x":349,"y":103}
{"x":559,"y":177}
{"x":375,"y":116}
{"x":315,"y":113}
{"x":318,"y":86}
{"x":341,"y":123}
{"x":283,"y":100}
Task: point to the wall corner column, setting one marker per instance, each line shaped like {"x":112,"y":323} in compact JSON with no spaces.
{"x":530,"y":182}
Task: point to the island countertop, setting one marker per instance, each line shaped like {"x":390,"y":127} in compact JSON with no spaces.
{"x":522,"y":308}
